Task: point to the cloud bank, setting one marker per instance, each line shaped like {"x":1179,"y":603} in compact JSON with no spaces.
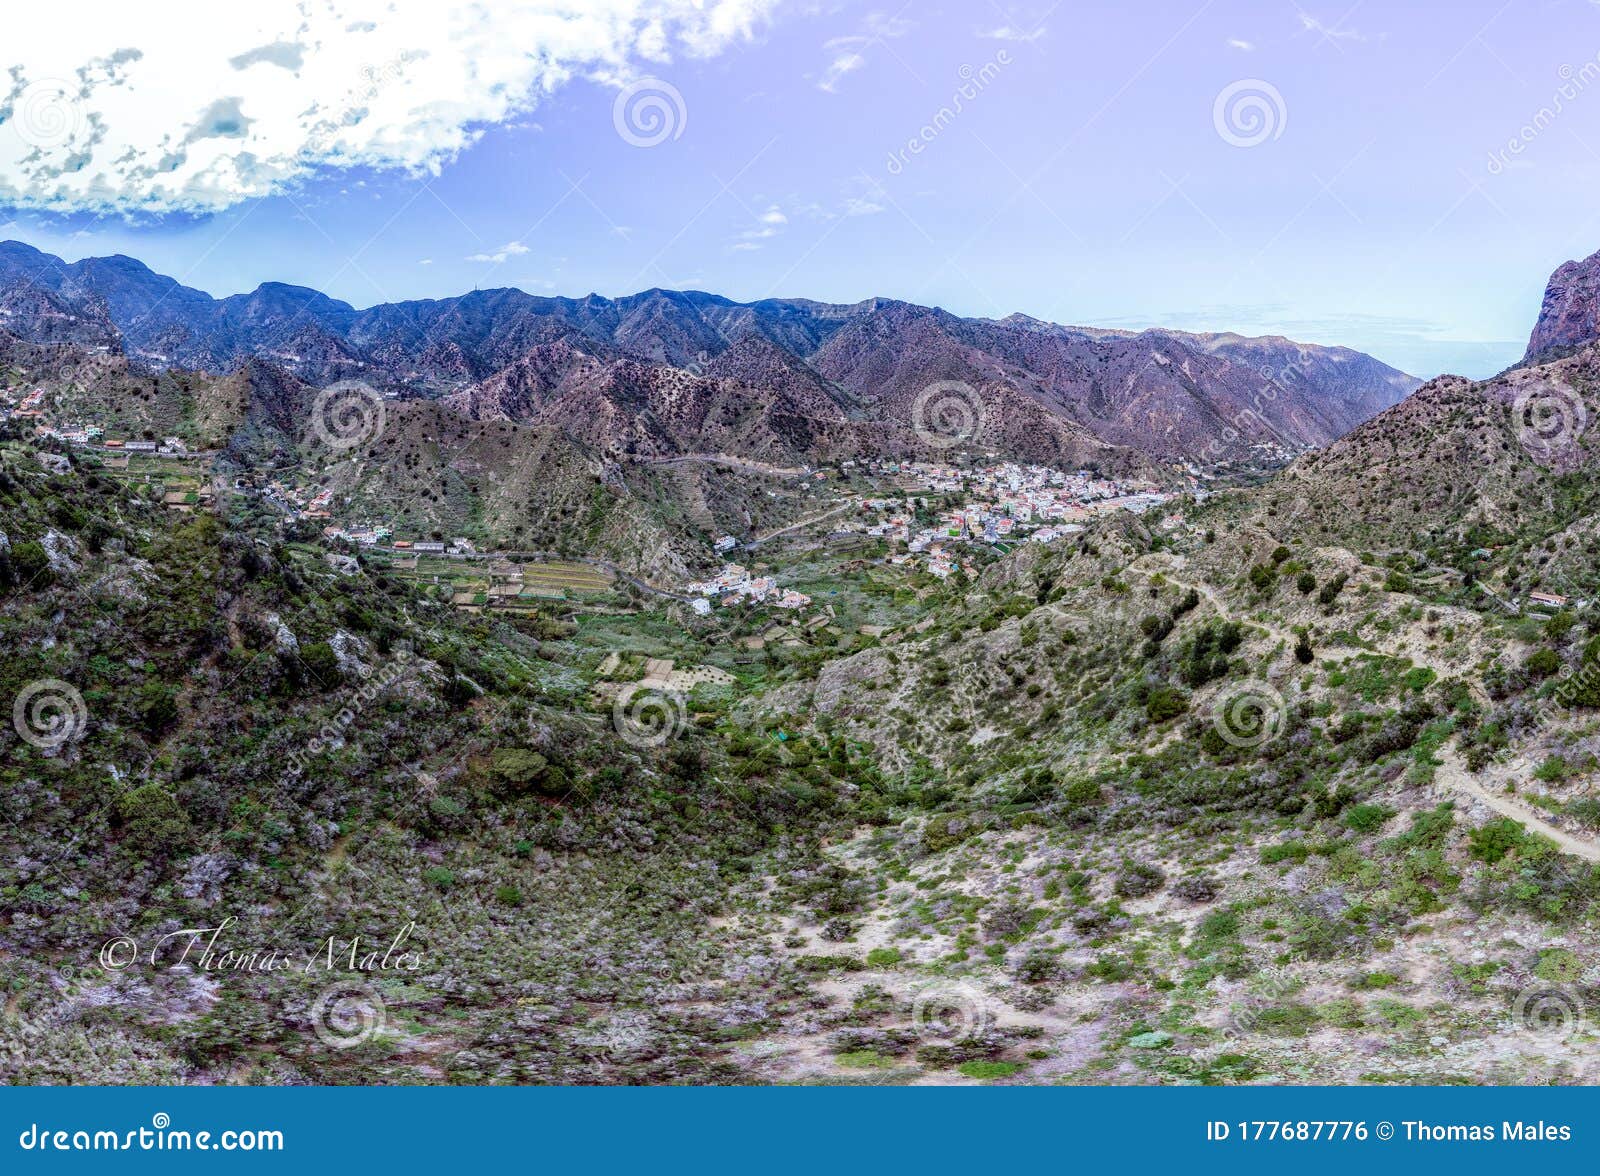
{"x":193,"y":107}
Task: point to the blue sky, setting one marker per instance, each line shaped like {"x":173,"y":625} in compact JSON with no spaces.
{"x":1338,"y":174}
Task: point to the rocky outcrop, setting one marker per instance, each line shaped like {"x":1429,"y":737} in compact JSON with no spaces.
{"x":1570,"y":315}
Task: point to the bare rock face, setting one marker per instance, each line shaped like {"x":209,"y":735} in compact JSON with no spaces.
{"x":1570,"y":315}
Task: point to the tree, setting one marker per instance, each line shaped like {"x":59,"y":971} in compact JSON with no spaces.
{"x":1306,"y":583}
{"x":31,"y":564}
{"x":520,"y":768}
{"x":154,"y":822}
{"x":1165,"y":702}
{"x":1543,"y":662}
{"x":157,"y":705}
{"x":1302,"y":650}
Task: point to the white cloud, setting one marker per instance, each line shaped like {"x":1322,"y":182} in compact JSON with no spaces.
{"x":845,"y":54}
{"x":1012,"y":33}
{"x":509,"y":249}
{"x":845,"y":61}
{"x":1242,"y":46}
{"x":1330,"y":32}
{"x":195,"y":106}
{"x":768,"y":224}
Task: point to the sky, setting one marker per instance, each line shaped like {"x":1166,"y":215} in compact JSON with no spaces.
{"x":1396,"y":177}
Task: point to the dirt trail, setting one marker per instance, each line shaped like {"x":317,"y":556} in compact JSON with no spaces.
{"x":1453,"y":773}
{"x":805,"y":522}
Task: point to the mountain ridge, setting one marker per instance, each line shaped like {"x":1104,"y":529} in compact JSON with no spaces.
{"x":1041,"y":391}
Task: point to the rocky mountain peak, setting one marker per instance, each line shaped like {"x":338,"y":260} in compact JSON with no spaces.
{"x":1570,"y":314}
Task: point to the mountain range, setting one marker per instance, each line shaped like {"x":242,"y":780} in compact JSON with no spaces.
{"x":1293,"y":781}
{"x":667,"y":372}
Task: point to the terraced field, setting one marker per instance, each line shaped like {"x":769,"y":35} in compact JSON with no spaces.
{"x":565,"y":577}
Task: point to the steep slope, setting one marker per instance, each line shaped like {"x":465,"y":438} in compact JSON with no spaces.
{"x":1570,"y":313}
{"x":1459,"y":466}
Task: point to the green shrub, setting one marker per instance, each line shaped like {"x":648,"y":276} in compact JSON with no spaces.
{"x":989,"y":1069}
{"x":1367,"y":818}
{"x":1164,"y":703}
{"x":1542,"y":663}
{"x":154,"y":823}
{"x":1492,"y":842}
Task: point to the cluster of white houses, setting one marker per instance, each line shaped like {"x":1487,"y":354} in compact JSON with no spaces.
{"x":735,"y":585}
{"x":1007,"y":501}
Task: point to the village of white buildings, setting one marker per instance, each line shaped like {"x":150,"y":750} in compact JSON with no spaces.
{"x":998,"y":505}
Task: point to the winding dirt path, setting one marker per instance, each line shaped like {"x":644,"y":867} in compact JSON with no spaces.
{"x":1452,"y":773}
{"x":803,"y":523}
